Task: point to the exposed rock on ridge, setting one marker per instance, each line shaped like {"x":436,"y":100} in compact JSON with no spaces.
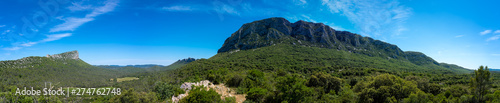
{"x":279,"y":30}
{"x":272,"y":31}
{"x":65,"y":55}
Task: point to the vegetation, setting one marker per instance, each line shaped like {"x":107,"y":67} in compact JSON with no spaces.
{"x":126,"y":79}
{"x":481,"y":83}
{"x":36,"y":71}
{"x":201,"y":95}
{"x":165,"y":90}
{"x":279,"y":73}
{"x":288,"y":73}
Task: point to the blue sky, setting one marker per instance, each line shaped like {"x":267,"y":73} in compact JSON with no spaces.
{"x":125,"y":32}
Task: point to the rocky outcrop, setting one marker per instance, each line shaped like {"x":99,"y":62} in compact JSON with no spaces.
{"x":187,"y":60}
{"x":220,"y":88}
{"x":65,"y":55}
{"x":187,"y":86}
{"x":271,"y":31}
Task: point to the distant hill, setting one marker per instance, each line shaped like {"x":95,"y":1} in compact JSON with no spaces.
{"x":180,"y":63}
{"x":137,"y":66}
{"x":497,"y":70}
{"x":133,"y":70}
{"x":64,"y":69}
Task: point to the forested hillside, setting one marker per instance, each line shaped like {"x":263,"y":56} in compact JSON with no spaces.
{"x":270,"y":66}
{"x":61,"y":69}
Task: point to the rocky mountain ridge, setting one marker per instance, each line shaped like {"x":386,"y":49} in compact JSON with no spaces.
{"x":66,"y":55}
{"x":276,"y":30}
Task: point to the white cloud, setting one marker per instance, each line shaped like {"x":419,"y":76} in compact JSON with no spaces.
{"x":222,"y":8}
{"x":12,"y":48}
{"x":2,"y":26}
{"x":29,"y":44}
{"x":178,"y":8}
{"x":71,"y":23}
{"x":108,"y":7}
{"x":485,"y":32}
{"x":307,"y":18}
{"x":371,"y":16}
{"x":52,"y":37}
{"x":55,"y":37}
{"x":496,"y":37}
{"x":300,"y":2}
{"x":6,"y":31}
{"x":79,"y":6}
{"x":496,"y":32}
{"x":458,"y":36}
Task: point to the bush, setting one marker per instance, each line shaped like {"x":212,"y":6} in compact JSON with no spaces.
{"x":165,"y":90}
{"x":201,"y":95}
{"x":291,"y":88}
{"x":235,"y":81}
{"x":326,"y":81}
{"x":130,"y":96}
{"x":384,"y":88}
{"x":419,"y":97}
{"x":256,"y":94}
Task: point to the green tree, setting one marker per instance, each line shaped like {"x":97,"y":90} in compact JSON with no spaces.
{"x":130,"y":96}
{"x":326,"y":81}
{"x":292,"y":88}
{"x":384,"y":88}
{"x":481,"y":83}
{"x":165,"y":90}
{"x":419,"y":97}
{"x":201,"y":95}
{"x":256,"y":94}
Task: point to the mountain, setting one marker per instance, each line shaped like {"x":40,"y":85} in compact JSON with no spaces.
{"x":278,"y":30}
{"x":275,"y":60}
{"x":275,"y":45}
{"x":138,"y":70}
{"x":65,"y":69}
{"x":137,"y":66}
{"x":180,"y":63}
{"x":66,"y":55}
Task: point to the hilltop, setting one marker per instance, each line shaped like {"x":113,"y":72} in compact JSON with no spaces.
{"x":65,"y":69}
{"x":272,"y":31}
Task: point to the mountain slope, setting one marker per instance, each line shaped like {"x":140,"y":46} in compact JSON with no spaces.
{"x":136,"y":66}
{"x":274,"y":45}
{"x":140,"y":70}
{"x":64,"y":69}
{"x":273,"y":31}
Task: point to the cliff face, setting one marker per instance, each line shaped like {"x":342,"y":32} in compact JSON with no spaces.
{"x":279,"y":30}
{"x":65,"y":55}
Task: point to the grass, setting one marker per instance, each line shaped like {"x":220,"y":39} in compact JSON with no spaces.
{"x":126,"y":79}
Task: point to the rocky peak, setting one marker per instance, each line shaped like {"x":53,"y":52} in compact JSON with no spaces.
{"x":276,"y":30}
{"x":66,"y":55}
{"x":187,"y":60}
